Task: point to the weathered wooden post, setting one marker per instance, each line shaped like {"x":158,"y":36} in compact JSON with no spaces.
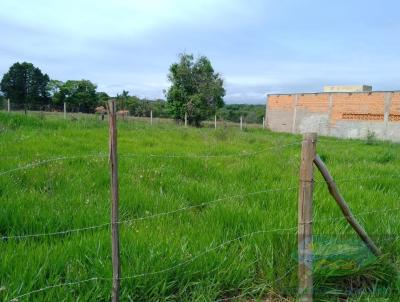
{"x":151,"y":117}
{"x":241,"y":123}
{"x":263,"y":122}
{"x":8,"y":105}
{"x":114,"y":201}
{"x":305,"y":211}
{"x":185,"y":119}
{"x":334,"y":191}
{"x":65,"y":110}
{"x":215,"y":122}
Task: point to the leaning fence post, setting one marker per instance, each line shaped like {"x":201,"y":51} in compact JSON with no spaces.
{"x":114,"y":201}
{"x":308,"y":153}
{"x":334,"y":191}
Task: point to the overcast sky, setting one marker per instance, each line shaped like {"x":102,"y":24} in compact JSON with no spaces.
{"x":259,"y":47}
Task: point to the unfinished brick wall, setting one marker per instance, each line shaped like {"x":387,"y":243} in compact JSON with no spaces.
{"x":338,"y":114}
{"x":395,"y":108}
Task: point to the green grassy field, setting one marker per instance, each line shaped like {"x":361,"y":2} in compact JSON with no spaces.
{"x":229,"y":232}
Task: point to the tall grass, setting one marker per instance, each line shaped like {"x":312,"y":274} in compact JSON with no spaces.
{"x":183,"y":256}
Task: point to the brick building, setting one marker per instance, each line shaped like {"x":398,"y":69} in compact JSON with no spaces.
{"x":341,"y":111}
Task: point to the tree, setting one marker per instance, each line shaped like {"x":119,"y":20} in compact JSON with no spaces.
{"x":80,"y":95}
{"x":132,"y":104}
{"x":251,"y":113}
{"x":143,"y":108}
{"x":25,"y":84}
{"x":54,"y":88}
{"x":102,"y":98}
{"x":196,"y":89}
{"x":122,"y":100}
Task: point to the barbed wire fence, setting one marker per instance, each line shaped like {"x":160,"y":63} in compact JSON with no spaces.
{"x":41,"y":162}
{"x":182,"y":209}
{"x":152,"y":117}
{"x":77,"y":282}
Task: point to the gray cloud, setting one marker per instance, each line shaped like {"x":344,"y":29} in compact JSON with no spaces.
{"x":259,"y":48}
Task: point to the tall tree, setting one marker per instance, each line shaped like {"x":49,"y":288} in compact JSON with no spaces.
{"x":122,"y":100}
{"x":195,"y":89}
{"x":80,"y":95}
{"x":54,"y":88}
{"x":25,"y":84}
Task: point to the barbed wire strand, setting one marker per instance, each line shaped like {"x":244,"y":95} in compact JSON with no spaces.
{"x":56,"y":233}
{"x":361,"y":215}
{"x":341,"y":180}
{"x":174,"y":212}
{"x":43,"y":162}
{"x":164,"y":214}
{"x":357,"y":214}
{"x":145,"y":217}
{"x":207,"y":203}
{"x":242,"y":154}
{"x":208,"y":250}
{"x":16,"y":299}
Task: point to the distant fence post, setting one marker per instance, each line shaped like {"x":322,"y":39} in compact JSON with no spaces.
{"x":215,"y":121}
{"x":114,"y":201}
{"x":8,"y":105}
{"x":241,"y":122}
{"x":65,"y":110}
{"x":305,"y":211}
{"x":185,"y":119}
{"x":151,"y":117}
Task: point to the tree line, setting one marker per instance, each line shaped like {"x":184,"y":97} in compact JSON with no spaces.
{"x":196,"y":91}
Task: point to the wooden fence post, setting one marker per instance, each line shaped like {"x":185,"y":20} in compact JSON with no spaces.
{"x":65,"y":110}
{"x":263,"y":122}
{"x":305,"y":210}
{"x":241,"y":123}
{"x":215,"y":121}
{"x":114,"y":201}
{"x":151,"y":117}
{"x":185,"y":119}
{"x":8,"y":105}
{"x":334,"y":191}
